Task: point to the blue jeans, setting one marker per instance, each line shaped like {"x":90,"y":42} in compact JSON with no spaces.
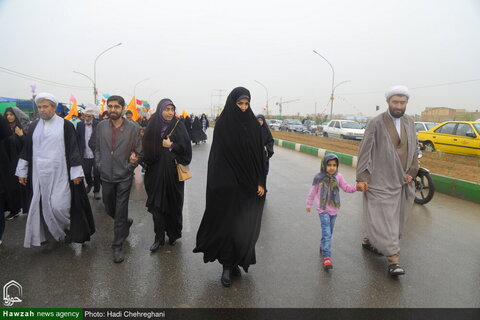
{"x":327,"y":222}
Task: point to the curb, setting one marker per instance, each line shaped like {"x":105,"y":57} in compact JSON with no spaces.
{"x":461,"y":189}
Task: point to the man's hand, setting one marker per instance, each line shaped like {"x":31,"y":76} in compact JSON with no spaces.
{"x":133,"y":158}
{"x":307,"y":209}
{"x":77,"y":180}
{"x":409,"y":179}
{"x":22,"y":181}
{"x":167,"y":143}
{"x":261,"y":191}
{"x":362,"y":186}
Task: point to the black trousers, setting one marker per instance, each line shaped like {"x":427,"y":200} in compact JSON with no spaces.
{"x":115,"y":198}
{"x":88,"y":166}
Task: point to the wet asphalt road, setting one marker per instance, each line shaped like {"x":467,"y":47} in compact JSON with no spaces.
{"x":440,"y":252}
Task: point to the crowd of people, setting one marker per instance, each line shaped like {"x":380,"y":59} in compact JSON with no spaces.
{"x":50,"y":165}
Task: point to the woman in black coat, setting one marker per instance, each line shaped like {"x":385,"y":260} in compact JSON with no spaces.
{"x":165,"y":143}
{"x":267,"y":141}
{"x":235,"y":189}
{"x":12,"y":146}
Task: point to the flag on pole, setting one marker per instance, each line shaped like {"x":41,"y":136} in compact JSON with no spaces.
{"x":132,"y":106}
{"x":73,"y":110}
{"x":102,"y":106}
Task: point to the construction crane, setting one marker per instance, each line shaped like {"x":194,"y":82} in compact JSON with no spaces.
{"x":280,"y":103}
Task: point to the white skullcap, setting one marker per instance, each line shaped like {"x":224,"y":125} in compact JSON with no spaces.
{"x":46,"y":96}
{"x":397,"y":90}
{"x":89,"y":111}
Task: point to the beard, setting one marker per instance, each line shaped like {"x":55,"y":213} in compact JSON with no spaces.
{"x":396,"y":113}
{"x":114,"y":116}
{"x":45,"y":116}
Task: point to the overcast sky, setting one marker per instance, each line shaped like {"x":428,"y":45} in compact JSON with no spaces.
{"x":189,"y":48}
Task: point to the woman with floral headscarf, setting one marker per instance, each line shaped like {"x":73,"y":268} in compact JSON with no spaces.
{"x":325,"y":190}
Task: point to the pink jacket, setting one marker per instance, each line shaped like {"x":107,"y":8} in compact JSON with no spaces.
{"x":314,"y":194}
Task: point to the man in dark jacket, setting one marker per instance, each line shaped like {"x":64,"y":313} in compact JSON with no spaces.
{"x":85,"y":130}
{"x":118,"y":150}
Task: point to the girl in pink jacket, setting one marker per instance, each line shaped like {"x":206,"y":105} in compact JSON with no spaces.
{"x":325,"y":190}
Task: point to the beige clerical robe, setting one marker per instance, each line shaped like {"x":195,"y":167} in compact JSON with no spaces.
{"x":384,"y":161}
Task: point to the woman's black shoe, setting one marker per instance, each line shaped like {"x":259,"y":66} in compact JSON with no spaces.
{"x":236,"y":271}
{"x":226,"y":277}
{"x":157,"y":244}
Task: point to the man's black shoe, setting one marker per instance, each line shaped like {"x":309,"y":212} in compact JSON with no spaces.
{"x":118,"y":255}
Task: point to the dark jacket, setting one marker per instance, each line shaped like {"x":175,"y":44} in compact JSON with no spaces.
{"x":81,"y":135}
{"x":114,"y":165}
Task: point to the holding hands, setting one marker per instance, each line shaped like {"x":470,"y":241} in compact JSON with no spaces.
{"x":362,"y":186}
{"x":133,"y":157}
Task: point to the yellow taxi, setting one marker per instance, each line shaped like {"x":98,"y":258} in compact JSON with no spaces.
{"x":458,"y":137}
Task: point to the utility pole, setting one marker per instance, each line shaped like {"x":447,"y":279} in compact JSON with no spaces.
{"x":216,"y":93}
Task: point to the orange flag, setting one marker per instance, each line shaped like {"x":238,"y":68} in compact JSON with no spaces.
{"x":132,"y":106}
{"x":73,"y":111}
{"x":102,"y":106}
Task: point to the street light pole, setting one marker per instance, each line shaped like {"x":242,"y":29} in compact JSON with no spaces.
{"x":95,"y":70}
{"x":333,"y":82}
{"x":135,"y":87}
{"x":93,"y":82}
{"x":266,"y":90}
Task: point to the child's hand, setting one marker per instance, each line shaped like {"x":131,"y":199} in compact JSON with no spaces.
{"x":307,"y":209}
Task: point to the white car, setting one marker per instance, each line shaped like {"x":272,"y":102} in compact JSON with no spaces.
{"x":344,"y":129}
{"x":274,"y":124}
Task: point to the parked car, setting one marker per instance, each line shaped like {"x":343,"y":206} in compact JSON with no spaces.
{"x":321,"y":126}
{"x":274,"y":124}
{"x":424,"y":126}
{"x":345,"y":129}
{"x":457,"y":137}
{"x":311,"y":126}
{"x":293,"y":125}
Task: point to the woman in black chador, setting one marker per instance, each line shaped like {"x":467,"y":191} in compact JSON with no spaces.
{"x":18,"y":198}
{"x":197,"y":133}
{"x":267,"y":141}
{"x":165,"y":143}
{"x":235,"y":189}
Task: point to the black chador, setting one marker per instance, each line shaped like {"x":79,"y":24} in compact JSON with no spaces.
{"x":231,"y":223}
{"x":164,"y":190}
{"x":197,"y":133}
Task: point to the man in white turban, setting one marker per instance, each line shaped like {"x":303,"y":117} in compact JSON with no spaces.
{"x":51,"y":162}
{"x":387,"y":165}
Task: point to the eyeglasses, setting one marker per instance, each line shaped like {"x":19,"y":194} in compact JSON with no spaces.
{"x":114,"y":106}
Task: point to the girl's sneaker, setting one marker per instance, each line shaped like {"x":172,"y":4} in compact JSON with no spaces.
{"x":327,"y":263}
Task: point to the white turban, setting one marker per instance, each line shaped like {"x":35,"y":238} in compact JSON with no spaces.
{"x":46,"y":96}
{"x":397,"y":90}
{"x":89,"y":111}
